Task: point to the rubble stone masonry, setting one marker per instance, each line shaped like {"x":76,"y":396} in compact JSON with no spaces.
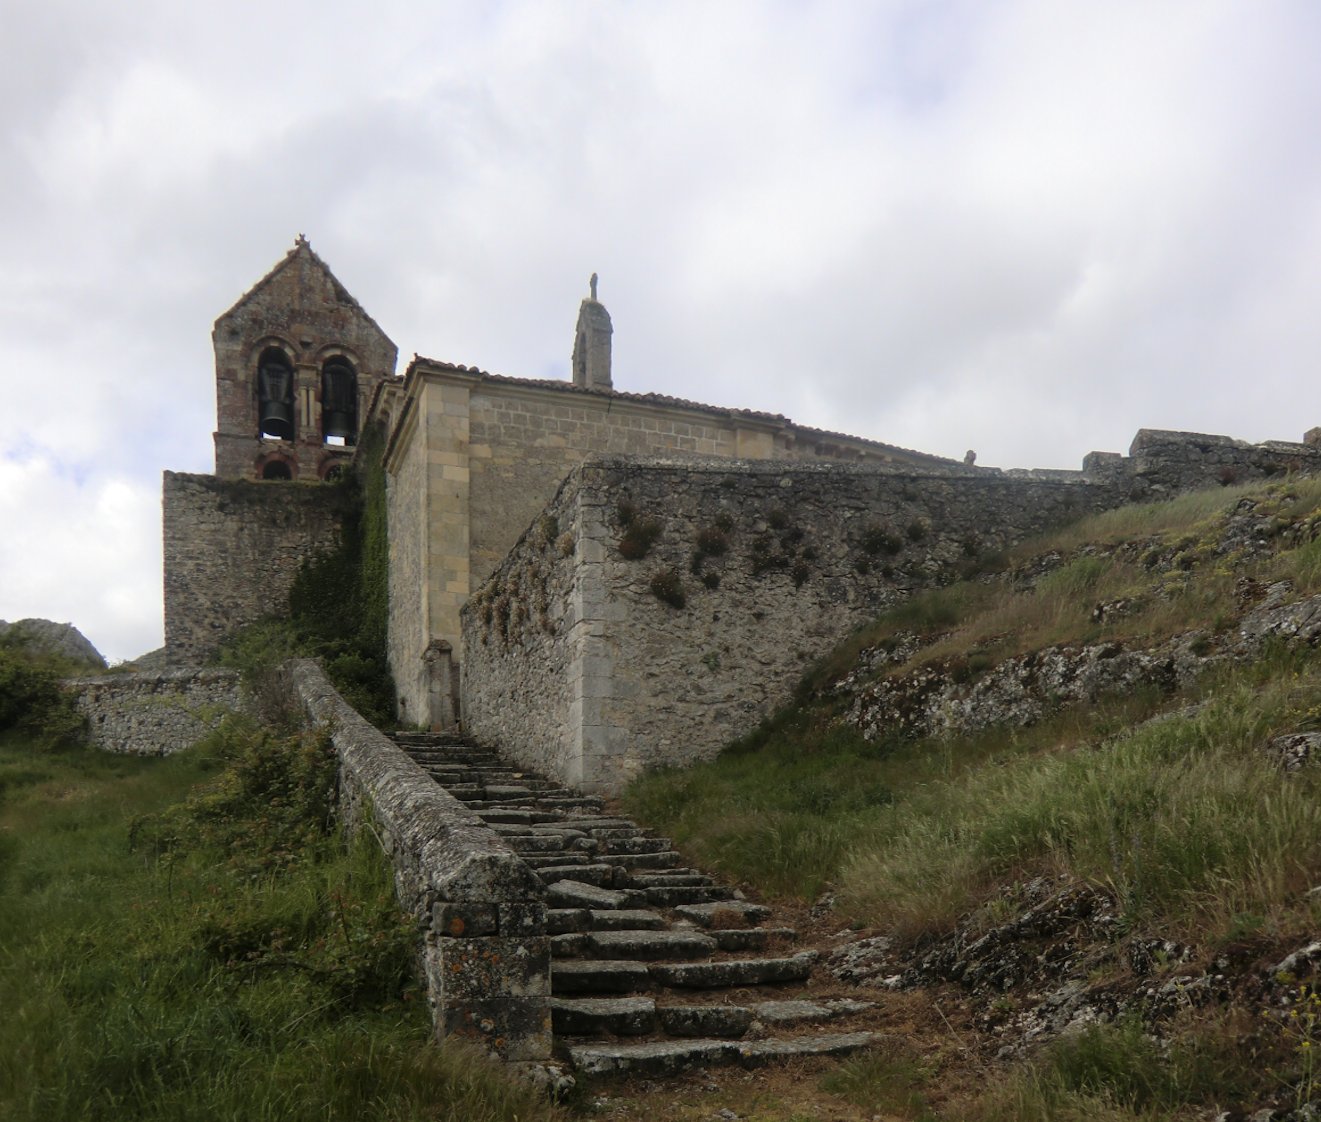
{"x":592,"y":661}
{"x":232,"y":549}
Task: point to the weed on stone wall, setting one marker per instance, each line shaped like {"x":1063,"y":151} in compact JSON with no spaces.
{"x":667,"y":586}
{"x":640,"y":534}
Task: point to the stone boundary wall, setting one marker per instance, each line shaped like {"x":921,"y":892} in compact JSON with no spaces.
{"x":155,"y":714}
{"x":525,"y":632}
{"x":596,"y":667}
{"x":480,"y":909}
{"x":1161,"y":463}
{"x":232,"y":549}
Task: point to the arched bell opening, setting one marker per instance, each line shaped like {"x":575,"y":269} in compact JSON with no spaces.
{"x":275,"y":395}
{"x":339,"y":402}
{"x":333,"y":469}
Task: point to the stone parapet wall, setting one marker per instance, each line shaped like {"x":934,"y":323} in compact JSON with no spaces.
{"x":480,"y":909}
{"x":232,"y":550}
{"x":1162,"y":463}
{"x":155,"y":714}
{"x":596,"y":666}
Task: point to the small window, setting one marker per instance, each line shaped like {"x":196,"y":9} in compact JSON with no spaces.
{"x":276,"y":469}
{"x":339,"y":403}
{"x":275,"y":395}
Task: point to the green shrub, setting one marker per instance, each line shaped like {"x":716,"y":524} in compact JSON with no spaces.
{"x":32,"y":704}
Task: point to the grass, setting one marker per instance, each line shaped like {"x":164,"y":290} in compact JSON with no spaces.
{"x":1117,"y":1072}
{"x":189,"y":939}
{"x":1183,"y":820}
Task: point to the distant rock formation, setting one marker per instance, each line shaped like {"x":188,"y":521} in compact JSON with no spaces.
{"x":42,"y":636}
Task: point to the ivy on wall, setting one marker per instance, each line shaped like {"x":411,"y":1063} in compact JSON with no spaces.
{"x":339,"y":602}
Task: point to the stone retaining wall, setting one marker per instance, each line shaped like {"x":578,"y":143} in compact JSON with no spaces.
{"x":595,"y":657}
{"x":154,"y":714}
{"x":481,"y":910}
{"x":232,"y":551}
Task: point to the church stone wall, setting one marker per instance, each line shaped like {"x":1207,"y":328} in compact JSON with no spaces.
{"x":406,"y":512}
{"x":753,"y":570}
{"x":232,"y":549}
{"x":497,"y":449}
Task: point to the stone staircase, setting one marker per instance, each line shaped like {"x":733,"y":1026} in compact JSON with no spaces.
{"x":655,"y":968}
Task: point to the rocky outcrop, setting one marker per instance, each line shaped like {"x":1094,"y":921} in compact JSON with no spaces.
{"x":58,"y":640}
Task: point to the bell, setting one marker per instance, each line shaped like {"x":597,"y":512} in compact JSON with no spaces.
{"x":339,"y":401}
{"x":338,"y":423}
{"x":275,"y":413}
{"x":277,"y":419}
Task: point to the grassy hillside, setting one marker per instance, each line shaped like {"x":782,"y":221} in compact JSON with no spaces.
{"x":1160,"y":799}
{"x":191,"y":939}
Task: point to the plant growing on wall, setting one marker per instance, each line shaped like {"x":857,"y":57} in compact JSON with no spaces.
{"x":667,"y":587}
{"x":339,"y":604}
{"x":638,"y":538}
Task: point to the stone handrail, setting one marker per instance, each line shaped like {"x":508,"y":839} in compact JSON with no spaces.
{"x":481,"y":909}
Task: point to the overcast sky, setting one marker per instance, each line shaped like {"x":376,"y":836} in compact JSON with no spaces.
{"x":1026,"y":227}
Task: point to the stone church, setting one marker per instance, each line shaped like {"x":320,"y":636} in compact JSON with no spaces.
{"x":524,"y":594}
{"x":301,"y":369}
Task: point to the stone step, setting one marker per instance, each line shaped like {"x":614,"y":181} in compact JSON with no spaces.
{"x":534,"y":843}
{"x":569,"y":893}
{"x":724,"y":913}
{"x":669,"y":896}
{"x":627,"y":919}
{"x":726,"y":1021}
{"x":675,"y":878}
{"x":514,"y":816}
{"x":553,"y":860}
{"x":559,"y":921}
{"x":594,"y":976}
{"x":424,"y":739}
{"x":672,"y":1057}
{"x":602,"y":876}
{"x":637,"y":844}
{"x":619,"y":1016}
{"x":783,"y":1013}
{"x":594,"y":824}
{"x":732,"y":972}
{"x":571,"y":802}
{"x":665,"y":859}
{"x":569,"y":944}
{"x":742,"y":939}
{"x":498,"y":791}
{"x":649,"y":944}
